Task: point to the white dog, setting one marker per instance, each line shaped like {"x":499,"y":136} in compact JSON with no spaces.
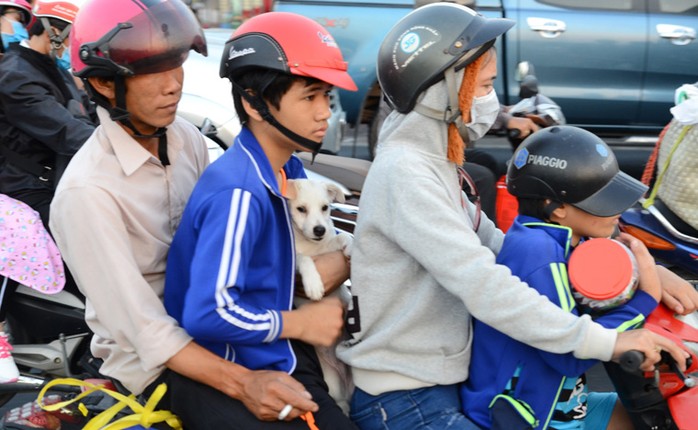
{"x":313,"y":229}
{"x":314,"y":232}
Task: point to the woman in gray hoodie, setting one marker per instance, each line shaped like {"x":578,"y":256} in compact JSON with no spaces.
{"x":423,"y":259}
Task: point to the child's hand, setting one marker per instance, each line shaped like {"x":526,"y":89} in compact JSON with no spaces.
{"x":649,"y":278}
{"x":677,"y":293}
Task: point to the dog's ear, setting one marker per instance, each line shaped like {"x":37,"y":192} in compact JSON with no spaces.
{"x":291,"y":189}
{"x":335,"y":193}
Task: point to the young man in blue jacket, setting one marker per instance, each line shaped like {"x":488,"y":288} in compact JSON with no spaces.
{"x":569,"y":188}
{"x":231,"y":268}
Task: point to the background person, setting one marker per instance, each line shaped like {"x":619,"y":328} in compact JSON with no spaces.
{"x":44,"y":118}
{"x":15,"y":16}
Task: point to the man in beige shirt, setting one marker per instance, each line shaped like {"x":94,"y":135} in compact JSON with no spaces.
{"x":120,"y":201}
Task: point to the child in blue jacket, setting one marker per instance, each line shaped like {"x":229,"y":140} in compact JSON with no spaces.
{"x":569,"y":188}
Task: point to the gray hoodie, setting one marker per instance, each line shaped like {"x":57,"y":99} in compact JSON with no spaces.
{"x":420,"y":271}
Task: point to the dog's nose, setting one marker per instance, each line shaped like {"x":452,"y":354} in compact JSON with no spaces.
{"x":318,"y":231}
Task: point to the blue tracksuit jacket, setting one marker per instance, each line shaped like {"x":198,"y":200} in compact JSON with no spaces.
{"x":231,"y":266}
{"x":537,"y":253}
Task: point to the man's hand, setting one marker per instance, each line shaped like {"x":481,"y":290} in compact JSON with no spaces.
{"x":677,"y":294}
{"x":651,"y":344}
{"x":265,"y":393}
{"x":525,"y":126}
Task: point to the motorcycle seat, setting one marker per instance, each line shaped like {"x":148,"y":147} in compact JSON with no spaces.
{"x":674,"y":219}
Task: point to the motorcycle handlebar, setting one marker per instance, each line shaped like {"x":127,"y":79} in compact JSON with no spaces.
{"x":630,"y":361}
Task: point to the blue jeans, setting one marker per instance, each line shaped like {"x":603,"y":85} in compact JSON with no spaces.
{"x":433,"y":408}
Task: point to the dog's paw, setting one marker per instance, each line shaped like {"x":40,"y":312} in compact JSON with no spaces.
{"x":312,"y":283}
{"x":346,"y":242}
{"x":313,"y":286}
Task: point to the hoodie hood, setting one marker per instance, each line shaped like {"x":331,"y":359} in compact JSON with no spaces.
{"x":416,"y":131}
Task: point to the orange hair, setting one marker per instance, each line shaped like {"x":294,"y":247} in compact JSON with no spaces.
{"x":456,"y":145}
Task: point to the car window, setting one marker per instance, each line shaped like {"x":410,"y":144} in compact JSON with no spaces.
{"x":594,"y":4}
{"x":678,"y":6}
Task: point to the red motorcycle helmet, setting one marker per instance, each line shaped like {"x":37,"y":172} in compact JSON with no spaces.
{"x":285,"y":43}
{"x":62,"y":10}
{"x":23,"y":6}
{"x":288,"y":43}
{"x":65,"y":10}
{"x":132,"y":37}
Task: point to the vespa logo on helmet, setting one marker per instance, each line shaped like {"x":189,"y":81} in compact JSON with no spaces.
{"x":327,"y":40}
{"x":235,"y":54}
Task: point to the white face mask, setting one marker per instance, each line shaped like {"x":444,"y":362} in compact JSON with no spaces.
{"x":483,"y":114}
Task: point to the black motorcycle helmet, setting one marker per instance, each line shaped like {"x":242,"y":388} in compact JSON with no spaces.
{"x":428,"y":41}
{"x":570,"y":165}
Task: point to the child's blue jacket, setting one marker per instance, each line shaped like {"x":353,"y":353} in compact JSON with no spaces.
{"x":537,"y":253}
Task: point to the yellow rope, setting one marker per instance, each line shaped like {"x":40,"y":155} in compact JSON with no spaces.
{"x":145,"y":416}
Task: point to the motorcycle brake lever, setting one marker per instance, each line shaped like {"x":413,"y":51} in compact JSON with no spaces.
{"x":687,"y":380}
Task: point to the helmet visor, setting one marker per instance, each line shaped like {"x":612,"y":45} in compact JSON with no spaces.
{"x":615,"y":197}
{"x":156,"y":40}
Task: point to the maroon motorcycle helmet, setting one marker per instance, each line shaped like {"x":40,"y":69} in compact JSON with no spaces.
{"x":132,"y":37}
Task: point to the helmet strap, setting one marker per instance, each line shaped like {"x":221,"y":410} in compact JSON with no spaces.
{"x":120,"y":114}
{"x":261,"y":106}
{"x":452,"y":113}
{"x":452,"y":116}
{"x":56,"y":38}
{"x":549,"y":208}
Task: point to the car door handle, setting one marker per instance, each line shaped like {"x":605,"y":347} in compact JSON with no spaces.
{"x":677,"y":34}
{"x":546,"y":27}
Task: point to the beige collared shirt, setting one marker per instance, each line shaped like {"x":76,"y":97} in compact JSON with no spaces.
{"x":113,"y":217}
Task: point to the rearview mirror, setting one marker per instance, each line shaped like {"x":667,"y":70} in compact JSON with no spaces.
{"x":524,"y":69}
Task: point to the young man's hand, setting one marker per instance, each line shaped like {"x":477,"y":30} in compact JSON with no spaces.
{"x":317,"y":323}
